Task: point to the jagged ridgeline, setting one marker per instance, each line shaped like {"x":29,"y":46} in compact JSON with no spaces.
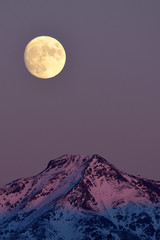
{"x":80,"y":198}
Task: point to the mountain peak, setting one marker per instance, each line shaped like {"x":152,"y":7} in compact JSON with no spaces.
{"x":71,"y":158}
{"x":76,"y":184}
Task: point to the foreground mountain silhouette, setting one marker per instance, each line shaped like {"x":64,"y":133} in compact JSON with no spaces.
{"x":80,"y":198}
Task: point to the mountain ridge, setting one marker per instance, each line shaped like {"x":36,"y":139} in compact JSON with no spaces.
{"x":81,"y":188}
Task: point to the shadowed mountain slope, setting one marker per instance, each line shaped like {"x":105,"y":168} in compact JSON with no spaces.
{"x":80,"y":197}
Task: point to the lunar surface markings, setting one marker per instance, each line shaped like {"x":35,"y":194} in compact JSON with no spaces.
{"x":44,"y":57}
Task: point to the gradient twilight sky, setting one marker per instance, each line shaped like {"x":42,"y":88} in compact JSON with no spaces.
{"x":105,"y":101}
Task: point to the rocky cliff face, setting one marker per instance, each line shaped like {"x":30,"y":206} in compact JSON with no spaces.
{"x":80,"y":197}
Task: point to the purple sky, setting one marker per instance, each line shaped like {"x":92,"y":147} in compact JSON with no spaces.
{"x":105,"y":101}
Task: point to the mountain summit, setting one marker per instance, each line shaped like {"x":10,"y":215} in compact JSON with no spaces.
{"x":80,"y":197}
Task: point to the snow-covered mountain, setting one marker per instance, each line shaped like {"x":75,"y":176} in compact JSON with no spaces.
{"x":80,"y":198}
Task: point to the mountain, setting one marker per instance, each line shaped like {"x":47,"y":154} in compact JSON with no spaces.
{"x":80,"y":198}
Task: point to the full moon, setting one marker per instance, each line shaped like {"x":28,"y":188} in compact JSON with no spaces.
{"x":44,"y":57}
